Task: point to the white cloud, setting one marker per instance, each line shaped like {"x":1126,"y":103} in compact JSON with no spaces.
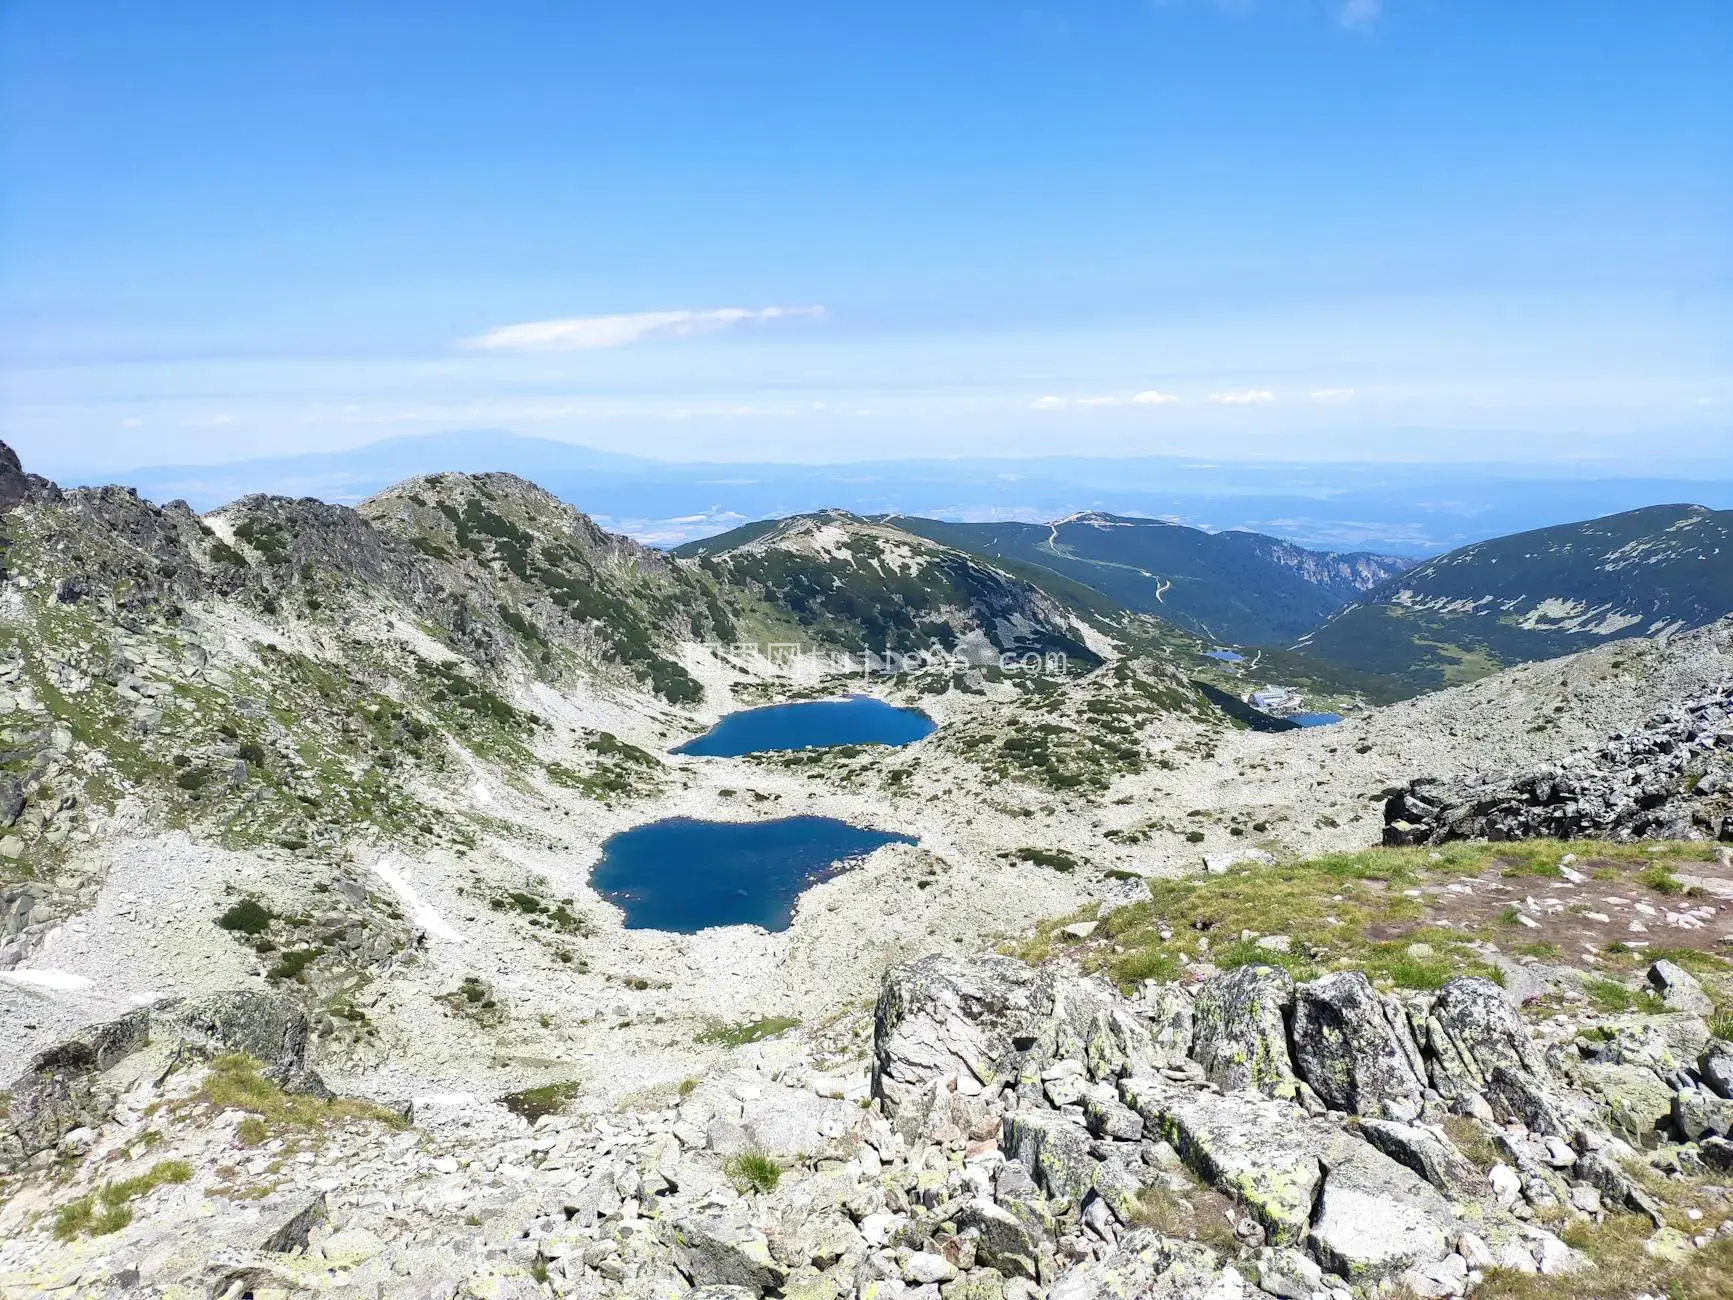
{"x":1149,"y":397}
{"x":1360,"y":13}
{"x":584,"y":333}
{"x":1331,"y":394}
{"x":1244,"y":397}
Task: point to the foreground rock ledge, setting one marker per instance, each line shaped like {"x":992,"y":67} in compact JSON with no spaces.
{"x":1019,"y":1134}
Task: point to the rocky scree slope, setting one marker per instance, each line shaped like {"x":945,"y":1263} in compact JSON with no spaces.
{"x":1670,"y":779}
{"x":1538,"y":594}
{"x":1008,"y":1131}
{"x":298,"y":680}
{"x":1238,"y":587}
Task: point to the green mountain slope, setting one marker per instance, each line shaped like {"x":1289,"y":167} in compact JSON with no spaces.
{"x":1239,"y":588}
{"x":1537,"y":595}
{"x":863,"y":585}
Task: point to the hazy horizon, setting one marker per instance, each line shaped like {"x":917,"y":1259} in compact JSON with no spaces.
{"x":1274,"y":229}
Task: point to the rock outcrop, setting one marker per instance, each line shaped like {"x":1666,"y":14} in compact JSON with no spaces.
{"x":1672,"y":778}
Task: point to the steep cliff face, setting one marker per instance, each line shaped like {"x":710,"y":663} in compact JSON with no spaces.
{"x":1539,"y":594}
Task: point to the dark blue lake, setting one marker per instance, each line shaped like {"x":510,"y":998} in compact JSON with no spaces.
{"x":810,"y":724}
{"x":685,"y":875}
{"x":1314,"y":719}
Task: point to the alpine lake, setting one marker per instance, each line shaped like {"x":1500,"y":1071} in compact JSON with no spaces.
{"x":684,"y":874}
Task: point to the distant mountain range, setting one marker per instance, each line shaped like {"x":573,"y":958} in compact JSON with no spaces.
{"x":1392,"y":509}
{"x":1538,"y":594}
{"x":1236,"y":587}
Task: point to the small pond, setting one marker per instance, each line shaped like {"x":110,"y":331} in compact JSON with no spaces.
{"x":810,"y":724}
{"x":686,"y":875}
{"x":1314,"y":719}
{"x":1226,"y":656}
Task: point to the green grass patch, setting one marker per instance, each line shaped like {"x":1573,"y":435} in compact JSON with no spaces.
{"x":724,"y":1035}
{"x":235,"y":1083}
{"x":109,"y":1208}
{"x":1614,"y":997}
{"x":753,"y":1171}
{"x":1661,"y":879}
{"x":533,"y":1103}
{"x":1339,"y":911}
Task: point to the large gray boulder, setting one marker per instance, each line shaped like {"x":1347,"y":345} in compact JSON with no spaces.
{"x":1368,"y":1223}
{"x":1678,"y":989}
{"x":723,"y":1250}
{"x":948,"y":1017}
{"x":1715,"y":1066}
{"x":269,"y":1027}
{"x":1471,"y":1030}
{"x":1308,"y":1183}
{"x":1146,"y":1265}
{"x":61,"y":1088}
{"x":1429,"y":1152}
{"x":1240,"y":1030}
{"x":1054,"y":1150}
{"x":1353,"y":1047}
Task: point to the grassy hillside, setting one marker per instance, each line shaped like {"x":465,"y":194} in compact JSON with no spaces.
{"x":1238,"y":588}
{"x":1537,"y":595}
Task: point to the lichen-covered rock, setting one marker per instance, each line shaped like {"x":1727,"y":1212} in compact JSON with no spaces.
{"x":266,"y":1026}
{"x":1471,"y":1031}
{"x":1261,"y":1152}
{"x":1429,"y":1152}
{"x":1666,"y":1044}
{"x":1054,"y":1150}
{"x":1697,"y":1115}
{"x":1148,"y":1266}
{"x":1715,"y":1066}
{"x":719,"y":1250}
{"x":946,"y":1017}
{"x":1638,"y":1106}
{"x":1008,"y":1237}
{"x":1119,"y":1044}
{"x":1526,"y":1097}
{"x":61,"y":1090}
{"x":1168,"y":1008}
{"x":1354,"y":1049}
{"x":1679,"y":989}
{"x":1240,"y":1032}
{"x":1369,"y":1223}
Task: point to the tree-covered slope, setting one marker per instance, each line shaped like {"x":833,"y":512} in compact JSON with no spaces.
{"x":1235,"y":587}
{"x":1538,"y":594}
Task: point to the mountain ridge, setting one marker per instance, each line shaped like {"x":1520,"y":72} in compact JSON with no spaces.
{"x":1536,"y":594}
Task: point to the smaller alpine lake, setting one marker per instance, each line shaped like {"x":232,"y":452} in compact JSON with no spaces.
{"x":810,"y":724}
{"x":684,"y":875}
{"x":1315,"y":719}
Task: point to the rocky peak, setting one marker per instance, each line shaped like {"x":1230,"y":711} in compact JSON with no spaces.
{"x":16,"y":486}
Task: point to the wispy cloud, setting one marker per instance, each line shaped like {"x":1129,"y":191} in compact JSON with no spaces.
{"x":1331,"y":394}
{"x":1360,"y":13}
{"x":1244,"y":397}
{"x":1148,"y":397}
{"x":585,"y":333}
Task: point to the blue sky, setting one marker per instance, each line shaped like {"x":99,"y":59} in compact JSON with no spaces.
{"x":1290,"y":228}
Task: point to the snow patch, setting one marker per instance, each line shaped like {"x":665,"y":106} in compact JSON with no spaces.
{"x":46,"y":979}
{"x":423,"y":912}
